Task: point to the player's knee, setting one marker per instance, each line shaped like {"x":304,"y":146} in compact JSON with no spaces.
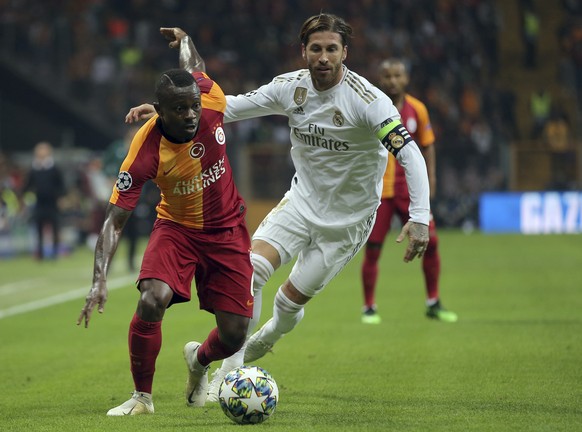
{"x":262,"y":271}
{"x":154,"y":299}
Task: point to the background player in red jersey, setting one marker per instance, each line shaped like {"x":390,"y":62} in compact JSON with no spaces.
{"x":199,"y":232}
{"x":393,"y":79}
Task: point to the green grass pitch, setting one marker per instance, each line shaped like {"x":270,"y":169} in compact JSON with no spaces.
{"x":513,"y":361}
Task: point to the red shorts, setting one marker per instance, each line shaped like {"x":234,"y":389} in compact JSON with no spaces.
{"x":219,"y":260}
{"x":388,"y":208}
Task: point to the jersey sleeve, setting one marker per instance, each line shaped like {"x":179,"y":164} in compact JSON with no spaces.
{"x":256,"y":103}
{"x":410,"y":158}
{"x":139,"y":166}
{"x":213,"y":97}
{"x":379,"y":113}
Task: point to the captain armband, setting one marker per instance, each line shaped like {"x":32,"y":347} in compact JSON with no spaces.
{"x":393,"y":135}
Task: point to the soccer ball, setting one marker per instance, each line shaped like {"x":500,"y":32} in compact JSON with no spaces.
{"x":248,"y":395}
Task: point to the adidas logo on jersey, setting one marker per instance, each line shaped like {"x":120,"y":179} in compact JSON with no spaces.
{"x":299,"y":110}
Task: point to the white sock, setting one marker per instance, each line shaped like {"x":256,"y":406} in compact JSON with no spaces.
{"x":432,"y":302}
{"x":286,"y":315}
{"x":263,"y":270}
{"x":233,"y":361}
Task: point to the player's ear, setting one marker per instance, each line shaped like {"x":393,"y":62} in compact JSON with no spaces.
{"x":303,"y":52}
{"x":345,"y":53}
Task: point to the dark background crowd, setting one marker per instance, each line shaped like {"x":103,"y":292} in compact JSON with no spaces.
{"x":491,"y":73}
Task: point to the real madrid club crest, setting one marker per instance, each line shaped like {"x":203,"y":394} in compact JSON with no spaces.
{"x":396,"y":140}
{"x":338,"y":119}
{"x":300,"y":95}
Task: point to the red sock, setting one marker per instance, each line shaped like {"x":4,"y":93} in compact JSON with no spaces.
{"x":431,"y":267}
{"x":370,"y":274}
{"x":213,"y":349}
{"x":145,"y":341}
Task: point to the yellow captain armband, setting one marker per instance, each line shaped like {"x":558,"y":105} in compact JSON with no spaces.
{"x":393,"y":135}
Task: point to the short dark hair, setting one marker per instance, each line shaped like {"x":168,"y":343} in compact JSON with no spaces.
{"x":325,"y":22}
{"x":173,"y":78}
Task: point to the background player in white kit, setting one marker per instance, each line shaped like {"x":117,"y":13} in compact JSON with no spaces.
{"x":342,"y":128}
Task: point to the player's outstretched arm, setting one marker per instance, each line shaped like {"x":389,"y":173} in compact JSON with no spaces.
{"x":141,"y":112}
{"x":190,"y":59}
{"x":115,"y":219}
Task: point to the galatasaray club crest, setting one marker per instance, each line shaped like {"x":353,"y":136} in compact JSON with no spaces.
{"x":338,"y":119}
{"x":219,"y":135}
{"x":300,"y":95}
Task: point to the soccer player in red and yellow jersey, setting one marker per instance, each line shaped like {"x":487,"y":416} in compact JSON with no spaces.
{"x":393,"y":79}
{"x":199,"y":233}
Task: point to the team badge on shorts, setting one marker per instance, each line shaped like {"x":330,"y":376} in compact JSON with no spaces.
{"x":124,"y":181}
{"x":197,"y":150}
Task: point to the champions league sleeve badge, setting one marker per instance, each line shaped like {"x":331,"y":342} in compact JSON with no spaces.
{"x":124,"y":181}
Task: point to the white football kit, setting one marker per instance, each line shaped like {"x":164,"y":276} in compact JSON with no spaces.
{"x":339,"y":158}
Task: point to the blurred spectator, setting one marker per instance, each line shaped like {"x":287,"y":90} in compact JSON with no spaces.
{"x":557,"y":137}
{"x":540,"y":104}
{"x":530,"y":32}
{"x":556,"y":131}
{"x":570,"y":67}
{"x":45,"y":181}
{"x":8,"y":197}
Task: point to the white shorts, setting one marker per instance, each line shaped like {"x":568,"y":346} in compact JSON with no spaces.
{"x":321,"y":252}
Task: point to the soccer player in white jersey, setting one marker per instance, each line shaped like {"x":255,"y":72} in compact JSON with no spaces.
{"x":342,"y":128}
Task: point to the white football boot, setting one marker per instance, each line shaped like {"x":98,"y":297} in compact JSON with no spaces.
{"x":256,"y":348}
{"x":214,"y":386}
{"x":197,"y":383}
{"x":140,"y":403}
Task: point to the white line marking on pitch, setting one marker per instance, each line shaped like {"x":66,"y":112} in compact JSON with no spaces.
{"x":19,"y":286}
{"x":62,"y":298}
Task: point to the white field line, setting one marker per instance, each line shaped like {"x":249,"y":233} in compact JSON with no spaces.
{"x":62,"y":298}
{"x":20,"y":286}
{"x":28,"y":284}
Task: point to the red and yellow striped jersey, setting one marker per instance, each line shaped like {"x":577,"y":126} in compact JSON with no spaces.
{"x":415,"y":118}
{"x":195,"y":179}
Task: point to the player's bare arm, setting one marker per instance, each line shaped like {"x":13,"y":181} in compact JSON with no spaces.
{"x":190,"y":59}
{"x":115,"y":219}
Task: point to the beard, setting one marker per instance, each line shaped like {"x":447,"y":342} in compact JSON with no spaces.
{"x":325,"y":80}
